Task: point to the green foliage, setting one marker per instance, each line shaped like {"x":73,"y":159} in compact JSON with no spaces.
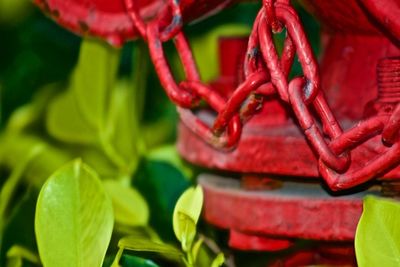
{"x":219,"y":260}
{"x":34,"y":52}
{"x":17,"y":254}
{"x":196,"y":248}
{"x":132,"y":261}
{"x":122,"y":126}
{"x":161,"y":185}
{"x":12,"y":11}
{"x":186,"y":214}
{"x":206,"y":47}
{"x":169,"y":154}
{"x":140,"y":244}
{"x":68,"y":126}
{"x":378,"y":233}
{"x":74,"y":218}
{"x":87,"y":98}
{"x":19,"y":226}
{"x":96,"y":111}
{"x":10,"y":186}
{"x":16,"y":146}
{"x":129,"y":206}
{"x":93,"y":79}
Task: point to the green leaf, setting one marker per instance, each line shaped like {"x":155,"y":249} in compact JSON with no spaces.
{"x":138,"y":243}
{"x":74,"y":218}
{"x":145,"y":232}
{"x":196,"y":248}
{"x":117,"y":258}
{"x":66,"y":123}
{"x":377,"y":240}
{"x":14,"y":262}
{"x":205,"y":47}
{"x":10,"y":186}
{"x":96,"y":158}
{"x":132,"y":261}
{"x":79,"y":115}
{"x":19,"y":228}
{"x":161,"y":185}
{"x":186,"y":214}
{"x":169,"y":154}
{"x":141,"y":245}
{"x":219,"y":260}
{"x":30,"y":115}
{"x":205,"y":257}
{"x":93,"y":80}
{"x":122,"y":125}
{"x":17,"y":254}
{"x":15,"y":147}
{"x":129,"y":206}
{"x":13,"y":11}
{"x":158,"y":133}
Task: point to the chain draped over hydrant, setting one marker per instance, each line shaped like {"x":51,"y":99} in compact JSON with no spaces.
{"x":266,"y":75}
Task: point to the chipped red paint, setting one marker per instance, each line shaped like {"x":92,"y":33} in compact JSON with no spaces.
{"x":294,"y":211}
{"x":109,"y":20}
{"x":353,"y":46}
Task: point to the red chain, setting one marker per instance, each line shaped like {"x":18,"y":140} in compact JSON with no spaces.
{"x":352,"y":138}
{"x":266,"y":74}
{"x":390,"y":132}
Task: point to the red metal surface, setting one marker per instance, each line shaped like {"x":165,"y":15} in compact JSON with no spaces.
{"x":109,"y":19}
{"x":244,"y":241}
{"x":349,"y":59}
{"x":274,"y":220}
{"x":295,"y":211}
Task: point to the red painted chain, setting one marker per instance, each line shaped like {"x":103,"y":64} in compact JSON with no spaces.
{"x":265,"y":73}
{"x":334,"y":156}
{"x":186,"y":95}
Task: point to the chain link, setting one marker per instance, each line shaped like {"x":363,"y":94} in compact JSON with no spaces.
{"x":361,"y":172}
{"x":311,"y":129}
{"x":266,"y":74}
{"x":391,"y":130}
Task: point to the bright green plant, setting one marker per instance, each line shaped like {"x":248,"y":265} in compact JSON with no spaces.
{"x":121,"y":185}
{"x":185,"y":217}
{"x":17,"y":254}
{"x":74,"y":218}
{"x":377,"y":239}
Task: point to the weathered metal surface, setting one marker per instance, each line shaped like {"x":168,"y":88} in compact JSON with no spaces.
{"x":245,"y":241}
{"x":349,"y":17}
{"x":109,"y":20}
{"x":296,"y":210}
{"x":352,"y":50}
{"x":291,"y":254}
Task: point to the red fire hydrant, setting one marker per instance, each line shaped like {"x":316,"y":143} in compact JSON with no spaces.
{"x":292,"y":142}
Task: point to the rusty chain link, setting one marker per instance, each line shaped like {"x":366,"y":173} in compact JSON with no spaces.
{"x":265,"y":74}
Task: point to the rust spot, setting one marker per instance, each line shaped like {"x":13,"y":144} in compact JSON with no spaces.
{"x":253,"y":53}
{"x":55,"y":14}
{"x":83,"y":26}
{"x":45,"y":7}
